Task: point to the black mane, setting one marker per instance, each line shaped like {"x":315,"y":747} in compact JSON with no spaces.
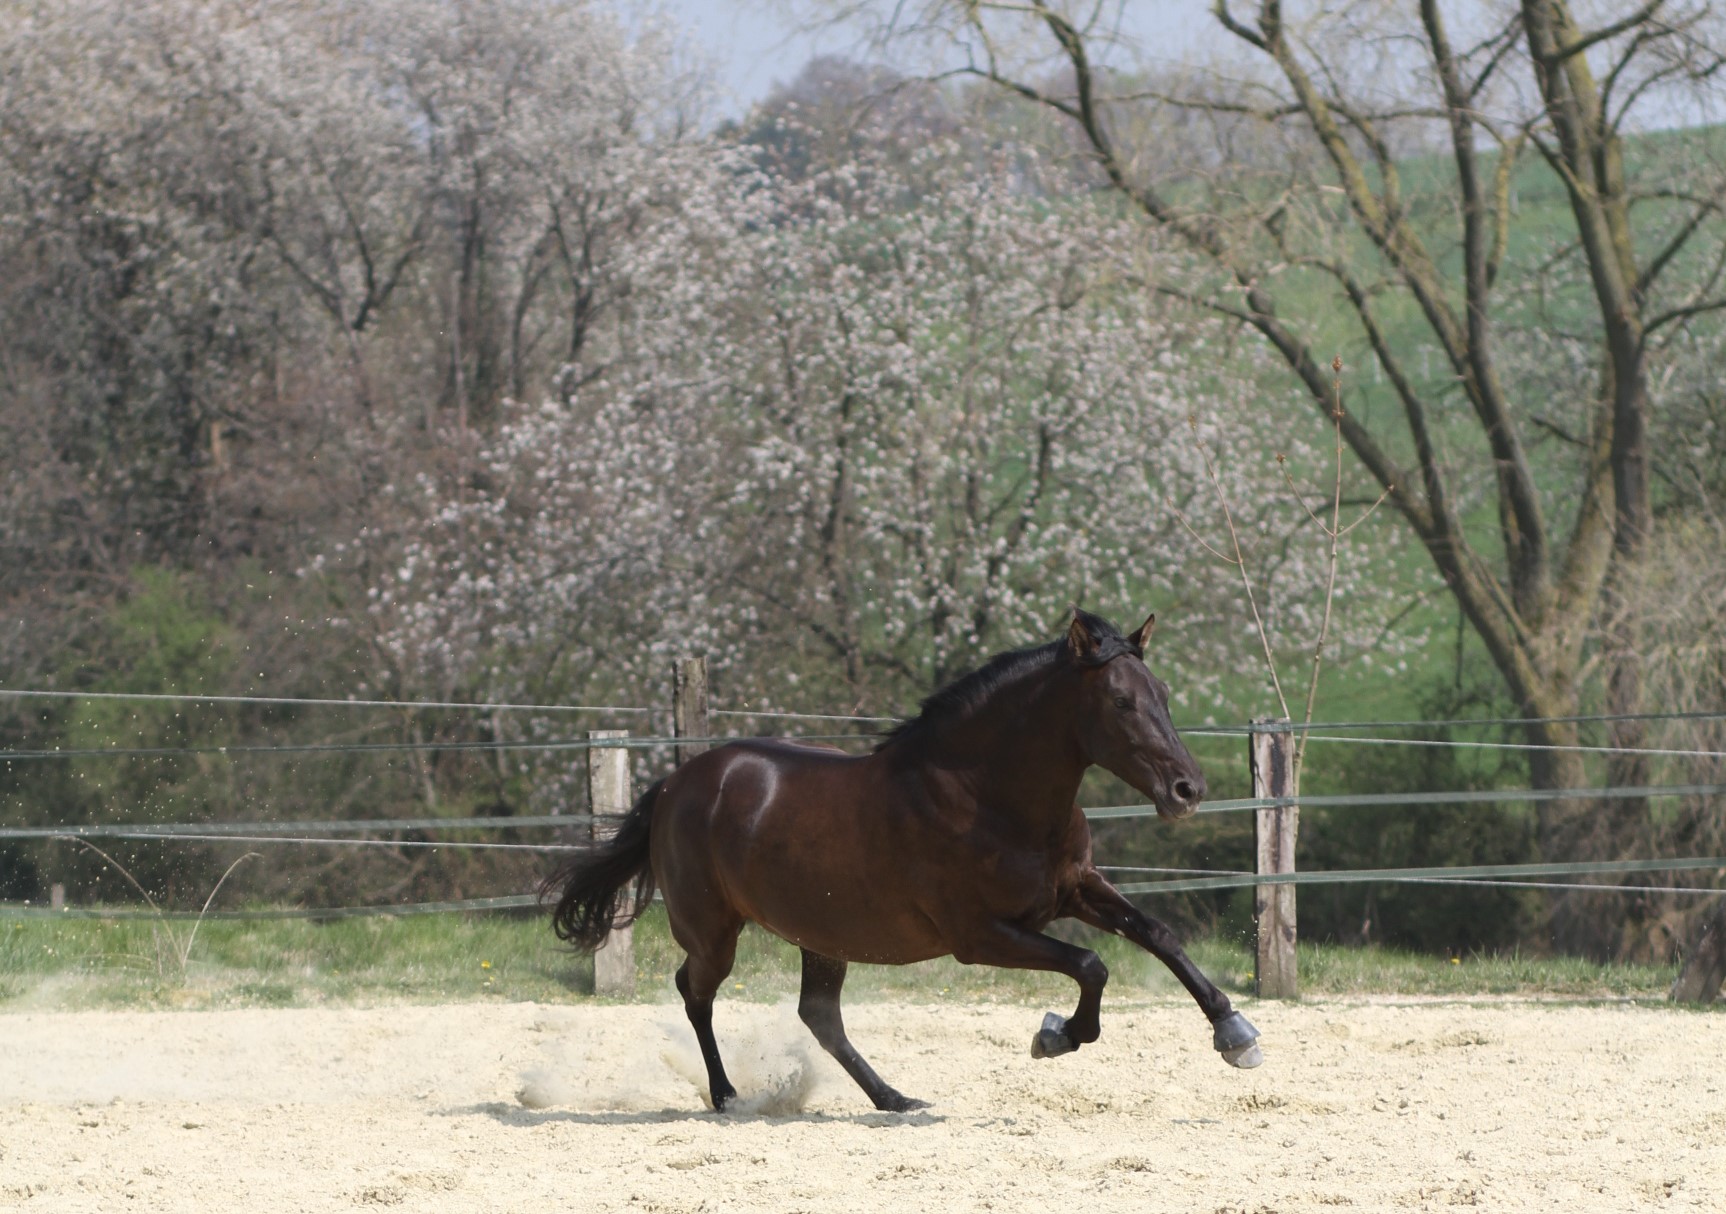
{"x":969,"y":692}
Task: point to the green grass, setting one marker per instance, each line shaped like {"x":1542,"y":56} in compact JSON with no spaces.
{"x":53,"y":964}
{"x":1335,"y":970}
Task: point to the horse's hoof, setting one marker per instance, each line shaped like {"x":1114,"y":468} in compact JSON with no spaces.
{"x":1051,"y":1040}
{"x":896,"y":1102}
{"x":1237,"y":1041}
{"x":1245,"y":1056}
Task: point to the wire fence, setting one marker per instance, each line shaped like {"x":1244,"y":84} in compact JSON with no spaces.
{"x":171,"y":830}
{"x":352,"y":826}
{"x":1480,"y":874}
{"x":158,"y":752}
{"x":1355,"y":876}
{"x":460,"y":905}
{"x":1251,"y":879}
{"x":313,"y":702}
{"x":344,"y":833}
{"x":1201,"y":730}
{"x":648,"y":742}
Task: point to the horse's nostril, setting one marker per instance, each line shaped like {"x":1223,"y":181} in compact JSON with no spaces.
{"x":1185,"y":791}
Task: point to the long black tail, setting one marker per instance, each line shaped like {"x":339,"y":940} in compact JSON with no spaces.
{"x":593,"y":889}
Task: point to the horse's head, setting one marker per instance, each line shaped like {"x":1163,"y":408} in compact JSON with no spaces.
{"x":1123,"y":716}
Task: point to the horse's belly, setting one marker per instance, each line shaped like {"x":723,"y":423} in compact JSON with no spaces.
{"x":841,"y":941}
{"x":842,"y":914}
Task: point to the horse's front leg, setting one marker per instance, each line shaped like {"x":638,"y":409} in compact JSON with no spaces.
{"x":1009,"y":946}
{"x":1101,"y":905}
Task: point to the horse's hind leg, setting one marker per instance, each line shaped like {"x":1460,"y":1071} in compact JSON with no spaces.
{"x":819,"y":1007}
{"x":698,"y":979}
{"x":1103,"y":906}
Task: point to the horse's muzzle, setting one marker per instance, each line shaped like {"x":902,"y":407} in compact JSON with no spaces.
{"x":1182,"y":799}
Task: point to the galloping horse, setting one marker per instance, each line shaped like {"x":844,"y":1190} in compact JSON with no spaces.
{"x":959,"y":834}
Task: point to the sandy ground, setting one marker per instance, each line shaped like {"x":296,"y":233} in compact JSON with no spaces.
{"x":523,"y":1107}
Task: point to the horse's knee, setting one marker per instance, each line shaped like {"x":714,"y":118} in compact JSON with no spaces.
{"x":1093,"y":975}
{"x":1161,"y":938}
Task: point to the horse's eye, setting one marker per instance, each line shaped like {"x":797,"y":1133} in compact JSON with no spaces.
{"x":1123,"y":702}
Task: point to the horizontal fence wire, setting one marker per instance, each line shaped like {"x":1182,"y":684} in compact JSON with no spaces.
{"x":1451,"y":744}
{"x":1450,"y":873}
{"x":649,"y":741}
{"x":355,"y":826}
{"x":1201,"y":730}
{"x":623,"y":743}
{"x":1453,"y":723}
{"x":1461,"y":797}
{"x":800,"y":716}
{"x":324,"y":841}
{"x":1202,"y":872}
{"x":1464,"y":875}
{"x":170,"y":830}
{"x":1481,"y":881}
{"x":13,"y":910}
{"x":312,"y":702}
{"x":1581,"y":886}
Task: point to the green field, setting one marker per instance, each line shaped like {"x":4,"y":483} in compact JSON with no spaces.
{"x":51,"y":964}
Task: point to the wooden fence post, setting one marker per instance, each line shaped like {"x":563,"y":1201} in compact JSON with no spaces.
{"x":689,"y":706}
{"x":1704,"y":969}
{"x":608,"y":792}
{"x":1272,"y":756}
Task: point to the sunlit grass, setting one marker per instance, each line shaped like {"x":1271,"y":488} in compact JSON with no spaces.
{"x":84,"y":963}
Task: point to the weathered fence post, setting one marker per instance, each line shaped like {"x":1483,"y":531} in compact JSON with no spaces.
{"x":608,"y":792}
{"x":1278,"y":975}
{"x":689,"y":706}
{"x":1704,"y":969}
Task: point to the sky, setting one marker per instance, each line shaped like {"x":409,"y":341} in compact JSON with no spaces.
{"x":754,"y":45}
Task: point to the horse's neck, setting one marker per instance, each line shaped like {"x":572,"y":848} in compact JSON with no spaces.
{"x":1017,"y":760}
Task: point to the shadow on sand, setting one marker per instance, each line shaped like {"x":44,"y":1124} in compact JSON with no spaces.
{"x":516,"y":1115}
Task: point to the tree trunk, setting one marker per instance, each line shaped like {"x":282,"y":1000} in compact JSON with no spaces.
{"x":1569,"y":830}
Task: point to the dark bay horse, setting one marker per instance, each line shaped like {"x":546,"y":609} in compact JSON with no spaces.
{"x":959,"y":834}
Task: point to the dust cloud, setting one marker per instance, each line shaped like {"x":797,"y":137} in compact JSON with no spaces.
{"x":769,"y":1058}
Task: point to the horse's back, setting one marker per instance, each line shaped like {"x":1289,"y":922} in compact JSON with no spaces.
{"x":770,"y":801}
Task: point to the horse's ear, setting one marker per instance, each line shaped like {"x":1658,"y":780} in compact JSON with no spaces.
{"x":1080,"y":642}
{"x":1142,"y":638}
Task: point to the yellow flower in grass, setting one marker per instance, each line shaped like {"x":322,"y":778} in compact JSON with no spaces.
{"x":485,"y":965}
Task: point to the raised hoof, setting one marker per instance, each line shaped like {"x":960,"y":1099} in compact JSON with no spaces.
{"x":1244,"y":1056}
{"x":1051,"y":1040}
{"x":895,"y":1102}
{"x":722,"y":1100}
{"x":1237,"y":1041}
